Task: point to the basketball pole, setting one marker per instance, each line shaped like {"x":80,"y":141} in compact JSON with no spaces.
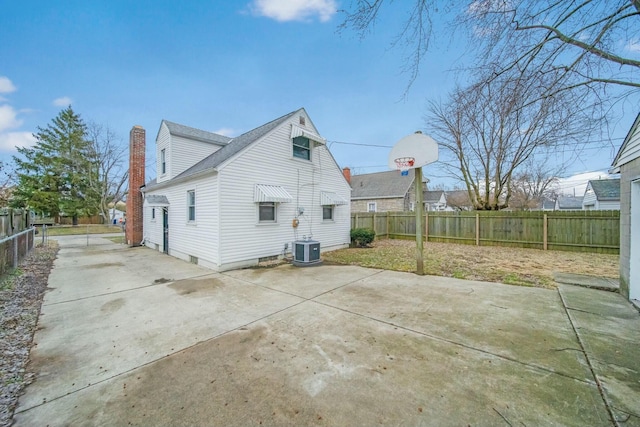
{"x":419,"y":215}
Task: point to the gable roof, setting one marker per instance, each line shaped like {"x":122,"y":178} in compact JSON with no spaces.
{"x":197,"y":134}
{"x":606,"y":189}
{"x":569,"y":202}
{"x":381,"y":185}
{"x":230,"y":149}
{"x":619,"y":160}
{"x":432,"y":196}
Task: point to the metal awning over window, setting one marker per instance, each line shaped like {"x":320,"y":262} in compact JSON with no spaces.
{"x":328,"y":198}
{"x":271,"y":193}
{"x":298,"y":131}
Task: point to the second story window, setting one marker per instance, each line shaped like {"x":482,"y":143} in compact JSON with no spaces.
{"x":302,"y":148}
{"x":163,"y":162}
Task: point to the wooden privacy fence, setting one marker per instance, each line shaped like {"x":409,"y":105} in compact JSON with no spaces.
{"x":578,"y":231}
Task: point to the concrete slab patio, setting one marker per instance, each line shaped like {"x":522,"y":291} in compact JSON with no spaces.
{"x":134,"y":337}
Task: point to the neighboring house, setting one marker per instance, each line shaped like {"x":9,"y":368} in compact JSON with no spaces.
{"x":227,"y":203}
{"x":546,"y":204}
{"x":116,"y":216}
{"x":435,"y":200}
{"x":602,"y":194}
{"x":568,"y":203}
{"x":458,"y":200}
{"x":627,"y":164}
{"x":383,"y":192}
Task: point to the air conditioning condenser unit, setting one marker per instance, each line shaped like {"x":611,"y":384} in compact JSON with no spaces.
{"x":306,"y":253}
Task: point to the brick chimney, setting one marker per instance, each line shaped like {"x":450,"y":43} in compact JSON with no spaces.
{"x":137,"y":141}
{"x":347,"y":174}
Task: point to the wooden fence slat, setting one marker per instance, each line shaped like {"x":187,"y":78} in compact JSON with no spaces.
{"x":585,"y":231}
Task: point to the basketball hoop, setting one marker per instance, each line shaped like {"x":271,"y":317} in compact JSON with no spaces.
{"x":403,"y":164}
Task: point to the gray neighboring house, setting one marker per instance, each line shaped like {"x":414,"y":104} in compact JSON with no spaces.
{"x":568,"y":203}
{"x":602,"y":194}
{"x":627,"y":164}
{"x":382,"y":192}
{"x":435,"y":200}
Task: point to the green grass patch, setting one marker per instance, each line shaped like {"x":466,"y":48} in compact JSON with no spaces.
{"x":70,"y":230}
{"x":117,"y":239}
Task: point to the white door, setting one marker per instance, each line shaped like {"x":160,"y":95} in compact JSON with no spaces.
{"x":634,"y":250}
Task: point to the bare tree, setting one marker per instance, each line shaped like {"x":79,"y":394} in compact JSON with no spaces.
{"x":459,"y":200}
{"x":534,"y":182}
{"x":111,"y":175}
{"x":493,"y":127}
{"x":592,"y":43}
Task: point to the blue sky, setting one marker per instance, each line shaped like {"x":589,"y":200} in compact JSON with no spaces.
{"x":227,"y":67}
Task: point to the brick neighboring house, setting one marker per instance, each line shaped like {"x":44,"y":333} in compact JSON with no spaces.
{"x":382,"y":192}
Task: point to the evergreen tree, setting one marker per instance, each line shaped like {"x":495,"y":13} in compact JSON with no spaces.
{"x":54,"y":176}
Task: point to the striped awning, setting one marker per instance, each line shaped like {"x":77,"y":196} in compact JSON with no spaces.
{"x":271,"y":193}
{"x":298,"y":131}
{"x":328,"y":198}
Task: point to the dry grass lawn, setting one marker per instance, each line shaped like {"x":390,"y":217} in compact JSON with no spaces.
{"x":516,"y":266}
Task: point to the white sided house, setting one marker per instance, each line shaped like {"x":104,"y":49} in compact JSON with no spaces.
{"x":627,"y":164}
{"x":228,"y":203}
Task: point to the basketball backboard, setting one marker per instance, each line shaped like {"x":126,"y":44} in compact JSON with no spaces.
{"x":413,"y":151}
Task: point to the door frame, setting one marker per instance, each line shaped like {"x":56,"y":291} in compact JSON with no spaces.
{"x":165,"y":230}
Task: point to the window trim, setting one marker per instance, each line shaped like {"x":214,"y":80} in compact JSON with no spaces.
{"x":308,"y":149}
{"x":275,"y":213}
{"x":163,"y":161}
{"x":375,"y":206}
{"x":153,"y":214}
{"x":191,"y":207}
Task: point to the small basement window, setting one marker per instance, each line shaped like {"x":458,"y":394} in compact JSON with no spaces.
{"x":267,"y":212}
{"x":302,"y":148}
{"x":327,"y":213}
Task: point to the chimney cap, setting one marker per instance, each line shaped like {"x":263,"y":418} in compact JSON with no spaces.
{"x":138,"y":127}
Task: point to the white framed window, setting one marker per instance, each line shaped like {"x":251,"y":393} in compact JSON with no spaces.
{"x":302,"y":148}
{"x":163,"y":161}
{"x":327,"y":213}
{"x":191,"y":205}
{"x":412,"y":206}
{"x":267,"y":212}
{"x":372,"y":207}
{"x":153,"y":214}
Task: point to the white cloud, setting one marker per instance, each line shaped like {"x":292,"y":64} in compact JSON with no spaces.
{"x":5,"y":85}
{"x":64,"y":101}
{"x":577,"y":184}
{"x":10,"y":140}
{"x":294,"y":10}
{"x":8,"y":118}
{"x":226,"y":132}
{"x":633,"y":45}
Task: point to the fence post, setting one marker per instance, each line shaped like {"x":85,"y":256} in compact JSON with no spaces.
{"x":544,"y":232}
{"x":15,"y":251}
{"x":426,"y":226}
{"x":477,"y":229}
{"x":388,"y":231}
{"x":375,"y":230}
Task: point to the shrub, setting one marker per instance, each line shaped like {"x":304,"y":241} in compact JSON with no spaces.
{"x":362,"y":237}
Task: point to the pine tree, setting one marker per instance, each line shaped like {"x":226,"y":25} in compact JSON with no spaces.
{"x":54,"y":175}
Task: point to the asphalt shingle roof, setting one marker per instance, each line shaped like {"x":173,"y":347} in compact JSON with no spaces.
{"x":380,"y":185}
{"x":606,"y":189}
{"x":432,"y":196}
{"x":193,"y":133}
{"x":569,"y":202}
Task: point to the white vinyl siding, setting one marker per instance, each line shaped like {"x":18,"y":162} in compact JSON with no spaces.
{"x":191,"y":152}
{"x":632,"y":149}
{"x":239,"y":230}
{"x":163,"y":143}
{"x":184,"y":239}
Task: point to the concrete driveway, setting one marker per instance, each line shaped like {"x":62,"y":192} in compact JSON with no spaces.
{"x":128,"y":336}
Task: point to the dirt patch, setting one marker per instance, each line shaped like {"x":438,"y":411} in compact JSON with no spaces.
{"x":515,"y":266}
{"x":192,"y":286}
{"x":105,"y":265}
{"x":112,"y":306}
